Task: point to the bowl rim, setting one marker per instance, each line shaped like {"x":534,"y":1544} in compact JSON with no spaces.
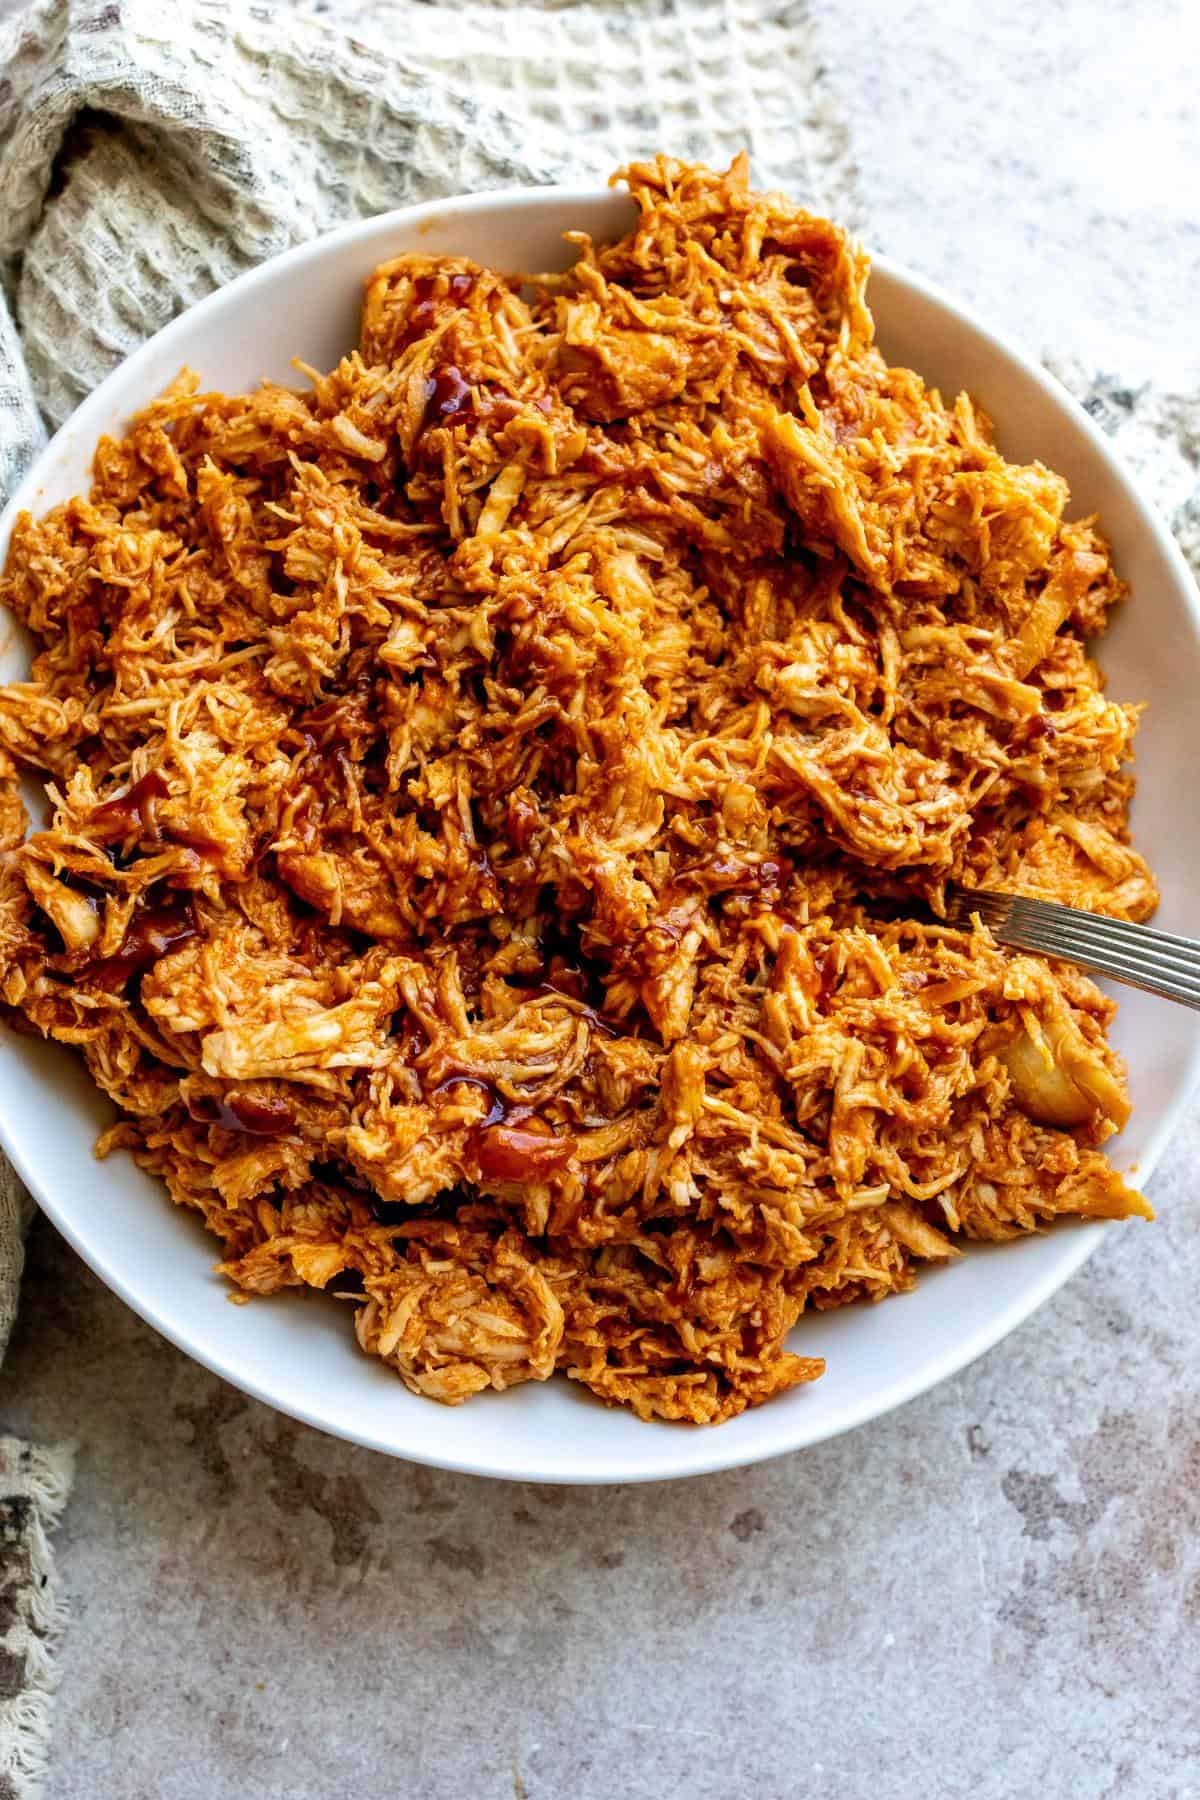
{"x":718,"y":1451}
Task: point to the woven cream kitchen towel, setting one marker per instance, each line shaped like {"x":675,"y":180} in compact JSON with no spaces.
{"x":149,"y":153}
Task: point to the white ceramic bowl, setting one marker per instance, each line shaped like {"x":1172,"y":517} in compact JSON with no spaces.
{"x":297,"y":1352}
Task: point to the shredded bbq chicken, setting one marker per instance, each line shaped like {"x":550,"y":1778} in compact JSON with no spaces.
{"x":502,"y":796}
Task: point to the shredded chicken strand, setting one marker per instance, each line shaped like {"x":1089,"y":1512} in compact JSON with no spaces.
{"x":501,"y":799}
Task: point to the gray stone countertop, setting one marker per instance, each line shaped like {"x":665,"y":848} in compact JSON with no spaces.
{"x":994,"y":1592}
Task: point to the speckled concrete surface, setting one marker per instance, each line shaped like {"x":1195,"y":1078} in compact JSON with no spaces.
{"x":1040,"y":158}
{"x":995,"y":1592}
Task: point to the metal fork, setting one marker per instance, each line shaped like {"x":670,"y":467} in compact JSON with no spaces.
{"x":1157,"y":961}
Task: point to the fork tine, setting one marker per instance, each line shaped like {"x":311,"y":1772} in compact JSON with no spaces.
{"x":1171,"y":983}
{"x":1158,"y":961}
{"x":1098,"y":926}
{"x":1065,"y":940}
{"x":993,"y":908}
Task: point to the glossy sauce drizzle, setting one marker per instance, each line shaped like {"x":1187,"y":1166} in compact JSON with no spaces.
{"x":423,"y":305}
{"x":447,"y":397}
{"x":510,"y":1142}
{"x":497,"y":1108}
{"x":254,"y":1117}
{"x":152,"y":933}
{"x":128,"y":811}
